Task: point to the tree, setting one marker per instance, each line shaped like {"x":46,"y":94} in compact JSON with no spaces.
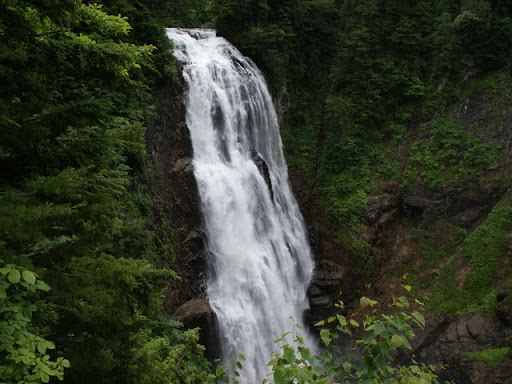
{"x":72,"y":208}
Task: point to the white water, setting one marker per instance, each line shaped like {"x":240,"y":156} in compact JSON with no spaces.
{"x":257,"y":245}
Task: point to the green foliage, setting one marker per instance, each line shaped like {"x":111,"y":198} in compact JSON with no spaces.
{"x":483,"y":252}
{"x":24,"y":354}
{"x":493,"y":357}
{"x":490,"y":82}
{"x":170,"y":357}
{"x":378,"y":338}
{"x":388,"y":162}
{"x":299,"y":134}
{"x":381,"y":335}
{"x":291,"y":40}
{"x":148,"y":20}
{"x":72,"y":208}
{"x":437,"y":245}
{"x":448,"y":154}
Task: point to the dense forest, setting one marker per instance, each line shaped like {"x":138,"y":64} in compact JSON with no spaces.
{"x":84,"y":270}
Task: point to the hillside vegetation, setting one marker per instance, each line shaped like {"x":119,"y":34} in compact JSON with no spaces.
{"x":370,"y":88}
{"x":371,"y":94}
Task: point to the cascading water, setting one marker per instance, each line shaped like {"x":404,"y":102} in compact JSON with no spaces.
{"x":257,"y":245}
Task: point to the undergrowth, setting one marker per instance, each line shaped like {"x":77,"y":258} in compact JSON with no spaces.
{"x":484,"y":253}
{"x":449,"y":154}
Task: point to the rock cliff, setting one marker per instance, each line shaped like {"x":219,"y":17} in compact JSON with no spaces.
{"x":395,"y":231}
{"x":416,"y":231}
{"x":173,"y":191}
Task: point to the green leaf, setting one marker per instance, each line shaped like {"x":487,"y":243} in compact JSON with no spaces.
{"x":418,"y":316}
{"x":384,"y":347}
{"x":219,"y":370}
{"x":14,"y":276}
{"x":364,"y":302}
{"x":44,"y":377}
{"x":304,"y":377}
{"x":325,"y":335}
{"x":279,"y":375}
{"x":342,"y":320}
{"x":29,"y":277}
{"x":397,"y":341}
{"x":406,"y":343}
{"x":241,"y":357}
{"x":378,"y":328}
{"x":354,"y":323}
{"x":289,"y":354}
{"x":41,"y":347}
{"x":304,"y":353}
{"x":369,"y":337}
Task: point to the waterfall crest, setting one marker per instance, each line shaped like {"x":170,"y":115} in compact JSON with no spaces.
{"x":260,"y":260}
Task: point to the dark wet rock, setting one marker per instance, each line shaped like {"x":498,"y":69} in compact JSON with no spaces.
{"x":173,"y":191}
{"x":416,"y":201}
{"x":488,"y":116}
{"x":385,"y":205}
{"x":504,"y":307}
{"x":464,"y":205}
{"x":445,"y":342}
{"x":263,"y":169}
{"x":325,"y":289}
{"x":194,"y":314}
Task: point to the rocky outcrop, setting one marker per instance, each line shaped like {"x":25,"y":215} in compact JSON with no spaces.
{"x":488,"y":116}
{"x":332,"y":279}
{"x":197,"y":314}
{"x":325,"y":289}
{"x":446,"y":342}
{"x":263,"y":169}
{"x":173,"y":191}
{"x":398,"y":222}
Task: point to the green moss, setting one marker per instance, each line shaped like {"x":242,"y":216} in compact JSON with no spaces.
{"x":483,"y":252}
{"x":438,"y":244}
{"x":449,"y":154}
{"x":300,"y":133}
{"x":486,"y":247}
{"x":361,"y":261}
{"x":388,"y":166}
{"x":493,"y":357}
{"x":490,"y":81}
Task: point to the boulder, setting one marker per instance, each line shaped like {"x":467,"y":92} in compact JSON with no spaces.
{"x":197,"y":314}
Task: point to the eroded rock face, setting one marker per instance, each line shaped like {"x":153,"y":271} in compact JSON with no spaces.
{"x":445,"y":342}
{"x":464,"y":205}
{"x":325,"y":289}
{"x":387,"y":227}
{"x":194,"y":314}
{"x":173,"y":191}
{"x":489,"y":117}
{"x":332,"y":279}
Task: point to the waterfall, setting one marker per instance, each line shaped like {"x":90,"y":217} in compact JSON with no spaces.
{"x":260,"y":260}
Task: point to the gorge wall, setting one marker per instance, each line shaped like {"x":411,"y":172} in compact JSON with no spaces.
{"x":421,"y":232}
{"x":399,"y":227}
{"x":173,"y":191}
